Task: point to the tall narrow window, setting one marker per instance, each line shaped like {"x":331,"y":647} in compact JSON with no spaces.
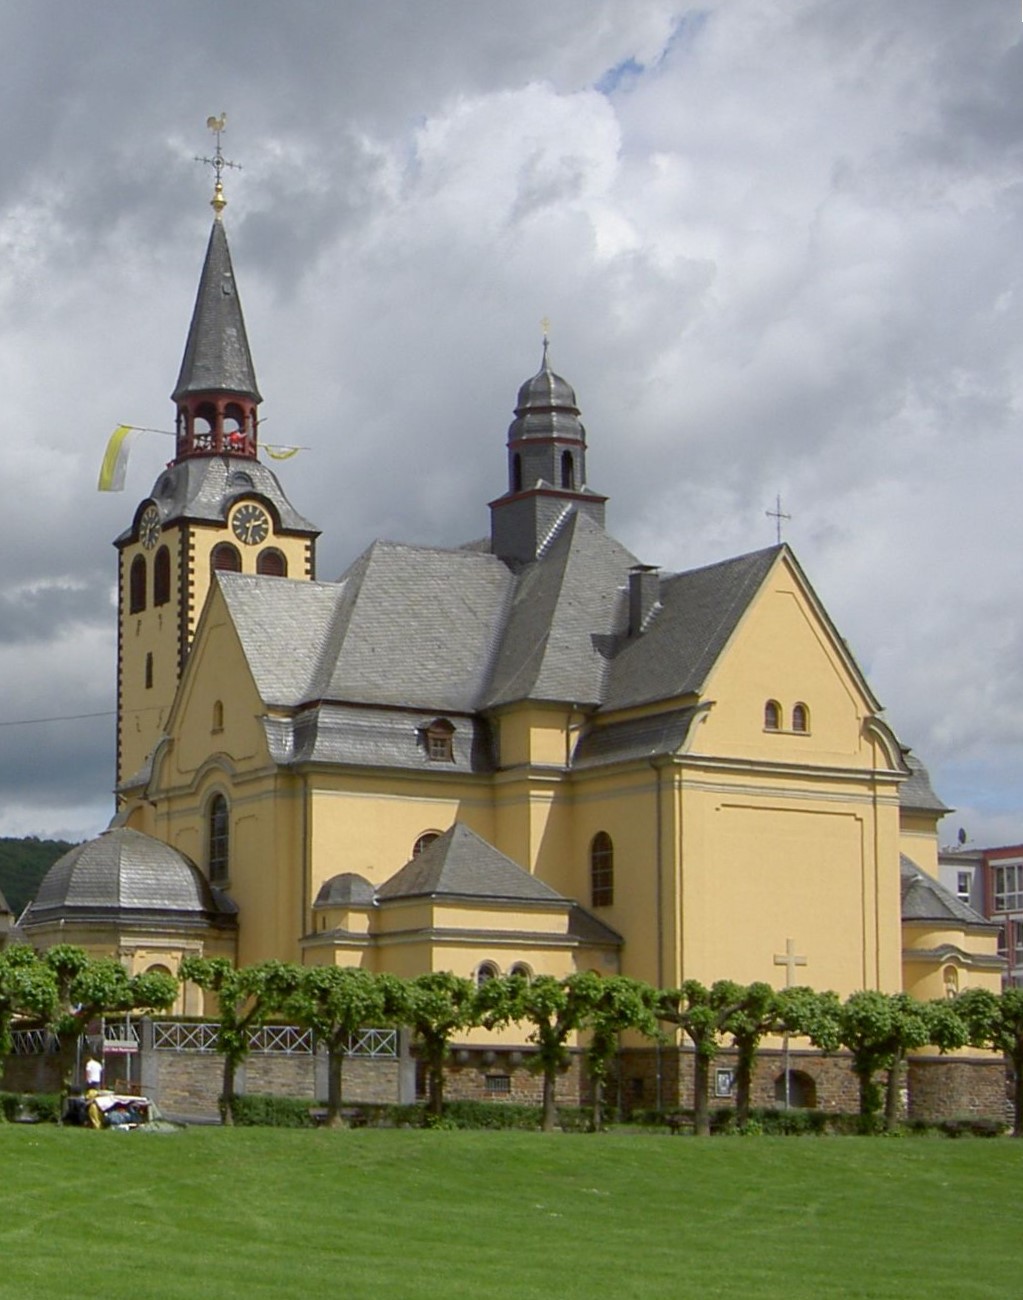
{"x":218,"y":716}
{"x":567,"y":470}
{"x":149,"y":670}
{"x":219,"y":840}
{"x":137,"y":585}
{"x":161,"y":577}
{"x":602,"y":870}
{"x":516,"y":473}
{"x":800,"y":717}
{"x":226,"y":558}
{"x":772,"y":715}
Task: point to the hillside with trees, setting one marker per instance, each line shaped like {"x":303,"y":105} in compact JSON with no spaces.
{"x":23,"y":863}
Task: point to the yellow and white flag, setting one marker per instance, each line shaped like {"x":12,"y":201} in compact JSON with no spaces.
{"x":115,"y":459}
{"x":281,"y":453}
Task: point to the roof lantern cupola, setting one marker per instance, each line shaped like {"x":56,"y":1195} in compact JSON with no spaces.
{"x":546,"y":466}
{"x":216,"y":393}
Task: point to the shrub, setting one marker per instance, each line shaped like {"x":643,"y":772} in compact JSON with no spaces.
{"x":9,"y":1104}
{"x":259,"y":1109}
{"x":43,"y":1107}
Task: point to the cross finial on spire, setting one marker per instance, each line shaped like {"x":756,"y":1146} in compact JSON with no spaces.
{"x":218,"y":162}
{"x":545,"y":325}
{"x":777,"y":514}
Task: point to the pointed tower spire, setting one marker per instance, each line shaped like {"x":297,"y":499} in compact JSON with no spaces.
{"x":216,"y":393}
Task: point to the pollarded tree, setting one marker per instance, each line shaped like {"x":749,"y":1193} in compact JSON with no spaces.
{"x":246,"y":996}
{"x":555,"y":1009}
{"x":702,"y":1014}
{"x":996,"y":1021}
{"x":614,"y":1004}
{"x":88,"y":987}
{"x":28,"y":987}
{"x":758,"y":1013}
{"x":437,"y":1005}
{"x":335,"y":1002}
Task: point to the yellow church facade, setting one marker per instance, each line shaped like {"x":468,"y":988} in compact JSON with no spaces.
{"x":533,"y":752}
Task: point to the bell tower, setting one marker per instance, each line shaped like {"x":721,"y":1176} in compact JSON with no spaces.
{"x":215,"y":507}
{"x":546,"y":468}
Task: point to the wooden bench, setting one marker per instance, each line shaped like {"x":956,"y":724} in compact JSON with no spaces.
{"x":351,"y":1116}
{"x":677,"y":1123}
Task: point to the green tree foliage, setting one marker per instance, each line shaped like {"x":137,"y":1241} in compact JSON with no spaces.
{"x":613,"y":1004}
{"x":436,"y":1006}
{"x":336,"y":1002}
{"x":28,"y":987}
{"x":88,"y":987}
{"x":702,"y":1014}
{"x":996,"y":1021}
{"x":246,"y":996}
{"x":554,"y":1009}
{"x":757,"y":1013}
{"x":23,"y":863}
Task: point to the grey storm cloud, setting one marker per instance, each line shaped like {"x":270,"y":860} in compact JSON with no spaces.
{"x":779,"y":247}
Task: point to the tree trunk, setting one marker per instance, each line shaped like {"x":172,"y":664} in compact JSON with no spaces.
{"x":227,"y":1091}
{"x":892,"y":1096}
{"x":550,"y":1109}
{"x":597,"y":1083}
{"x":435,"y":1068}
{"x":701,"y":1105}
{"x":335,"y":1060}
{"x":743,"y":1083}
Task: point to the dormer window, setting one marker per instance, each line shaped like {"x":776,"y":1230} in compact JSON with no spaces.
{"x":439,"y":739}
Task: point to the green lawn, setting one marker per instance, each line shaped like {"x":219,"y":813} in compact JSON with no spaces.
{"x":261,"y":1212}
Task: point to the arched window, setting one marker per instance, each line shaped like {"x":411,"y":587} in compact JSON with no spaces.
{"x":802,"y":1091}
{"x":772,"y":715}
{"x":161,"y":577}
{"x":602,"y":870}
{"x":219,"y":839}
{"x":272,"y":563}
{"x":137,"y":585}
{"x":218,"y":716}
{"x":424,"y":842}
{"x":800,"y":717}
{"x":522,"y":970}
{"x":485,"y":971}
{"x":226,"y":558}
{"x":567,"y":470}
{"x":516,"y":473}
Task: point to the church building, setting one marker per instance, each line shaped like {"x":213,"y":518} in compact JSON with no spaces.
{"x":534,"y":752}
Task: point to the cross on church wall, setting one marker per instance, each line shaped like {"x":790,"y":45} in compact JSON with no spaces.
{"x":790,"y":960}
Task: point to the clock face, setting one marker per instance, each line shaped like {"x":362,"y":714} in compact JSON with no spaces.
{"x":149,"y":527}
{"x":251,"y":524}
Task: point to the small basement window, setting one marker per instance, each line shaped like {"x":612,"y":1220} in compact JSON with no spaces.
{"x":498,"y":1083}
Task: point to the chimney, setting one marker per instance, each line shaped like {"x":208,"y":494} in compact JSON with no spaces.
{"x":644,"y":593}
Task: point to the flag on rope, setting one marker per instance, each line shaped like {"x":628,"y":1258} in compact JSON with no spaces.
{"x":281,"y":453}
{"x":115,"y":459}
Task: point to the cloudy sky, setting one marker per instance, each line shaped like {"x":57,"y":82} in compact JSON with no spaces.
{"x":779,"y":243}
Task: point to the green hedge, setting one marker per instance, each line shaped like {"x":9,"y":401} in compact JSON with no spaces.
{"x":43,"y":1107}
{"x":296,"y":1112}
{"x":272,"y":1112}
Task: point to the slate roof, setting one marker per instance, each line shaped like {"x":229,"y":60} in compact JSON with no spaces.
{"x":346,"y":888}
{"x":217,"y":357}
{"x":124,"y":873}
{"x":700,"y":610}
{"x":203,"y":489}
{"x":461,"y":864}
{"x":635,"y":738}
{"x":916,"y":793}
{"x":926,"y":899}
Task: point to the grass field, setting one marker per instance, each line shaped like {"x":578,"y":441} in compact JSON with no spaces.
{"x":262,"y":1212}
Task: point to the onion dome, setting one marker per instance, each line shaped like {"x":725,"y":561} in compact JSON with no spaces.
{"x":546,"y":407}
{"x":123,"y":874}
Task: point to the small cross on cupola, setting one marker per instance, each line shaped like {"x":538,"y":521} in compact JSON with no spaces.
{"x":216,"y":393}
